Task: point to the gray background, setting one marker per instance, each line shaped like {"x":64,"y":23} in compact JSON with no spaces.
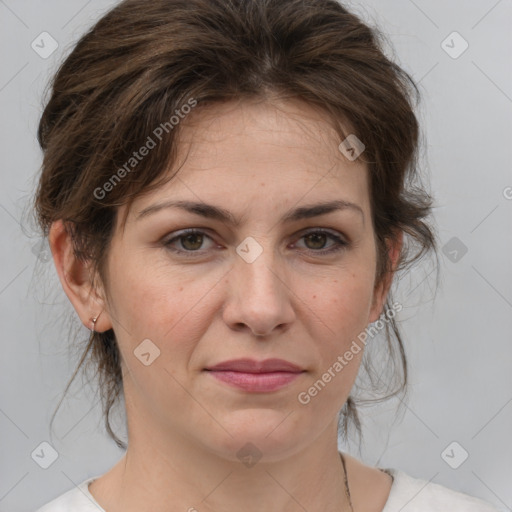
{"x":459,"y":345}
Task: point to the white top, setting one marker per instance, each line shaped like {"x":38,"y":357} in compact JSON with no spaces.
{"x":407,"y":494}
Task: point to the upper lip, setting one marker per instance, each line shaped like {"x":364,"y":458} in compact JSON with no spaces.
{"x":253,"y":366}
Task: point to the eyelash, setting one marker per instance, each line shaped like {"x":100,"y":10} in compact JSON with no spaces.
{"x":339,"y":244}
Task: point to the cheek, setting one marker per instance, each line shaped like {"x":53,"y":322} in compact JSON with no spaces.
{"x":343,"y":306}
{"x":344,"y":302}
{"x":168,"y":311}
{"x":154,"y":303}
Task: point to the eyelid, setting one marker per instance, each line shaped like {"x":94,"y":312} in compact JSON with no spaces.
{"x":181,"y":233}
{"x":328,"y":231}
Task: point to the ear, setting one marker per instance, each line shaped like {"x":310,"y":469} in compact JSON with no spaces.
{"x":381,"y":290}
{"x":76,"y":280}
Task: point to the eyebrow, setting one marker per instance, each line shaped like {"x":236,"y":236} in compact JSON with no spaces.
{"x":217,"y":213}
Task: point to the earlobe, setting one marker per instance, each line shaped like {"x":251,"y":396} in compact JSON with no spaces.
{"x":75,"y":278}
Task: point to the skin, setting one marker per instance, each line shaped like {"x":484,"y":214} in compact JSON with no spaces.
{"x":258,"y":160}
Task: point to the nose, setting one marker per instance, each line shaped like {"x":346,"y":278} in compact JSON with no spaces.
{"x":259,"y":298}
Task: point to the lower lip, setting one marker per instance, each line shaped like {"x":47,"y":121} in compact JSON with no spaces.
{"x":255,"y":382}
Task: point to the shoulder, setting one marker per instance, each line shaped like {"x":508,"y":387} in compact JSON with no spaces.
{"x":77,"y":499}
{"x":410,"y":494}
{"x":396,"y":491}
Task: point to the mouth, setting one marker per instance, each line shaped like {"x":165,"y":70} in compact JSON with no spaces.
{"x":256,"y":376}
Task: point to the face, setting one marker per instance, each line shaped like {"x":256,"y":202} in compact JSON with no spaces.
{"x":259,"y":284}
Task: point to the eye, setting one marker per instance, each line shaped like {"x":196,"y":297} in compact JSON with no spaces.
{"x":316,"y":239}
{"x":190,"y":242}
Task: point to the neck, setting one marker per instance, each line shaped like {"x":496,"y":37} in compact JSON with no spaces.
{"x":166,"y":474}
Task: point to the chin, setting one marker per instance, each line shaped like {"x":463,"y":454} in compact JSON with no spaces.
{"x":267,"y":433}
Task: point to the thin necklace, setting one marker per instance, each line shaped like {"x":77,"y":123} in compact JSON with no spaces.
{"x":347,"y":490}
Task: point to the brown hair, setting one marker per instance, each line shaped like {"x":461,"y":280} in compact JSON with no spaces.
{"x":144,"y":60}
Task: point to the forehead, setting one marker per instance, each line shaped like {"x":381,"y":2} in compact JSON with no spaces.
{"x":263,"y":155}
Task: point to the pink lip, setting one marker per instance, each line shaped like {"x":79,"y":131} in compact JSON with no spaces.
{"x":253,"y":366}
{"x":256,"y":376}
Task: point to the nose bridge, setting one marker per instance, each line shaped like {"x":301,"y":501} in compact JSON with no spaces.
{"x":261,"y":276}
{"x":257,"y":268}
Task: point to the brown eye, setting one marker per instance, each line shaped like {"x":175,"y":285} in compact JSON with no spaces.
{"x":191,"y":242}
{"x":315,"y":242}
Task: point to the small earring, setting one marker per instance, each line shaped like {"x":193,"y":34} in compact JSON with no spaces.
{"x":94,"y":320}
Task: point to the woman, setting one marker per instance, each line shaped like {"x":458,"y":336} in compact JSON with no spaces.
{"x":224,"y":190}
